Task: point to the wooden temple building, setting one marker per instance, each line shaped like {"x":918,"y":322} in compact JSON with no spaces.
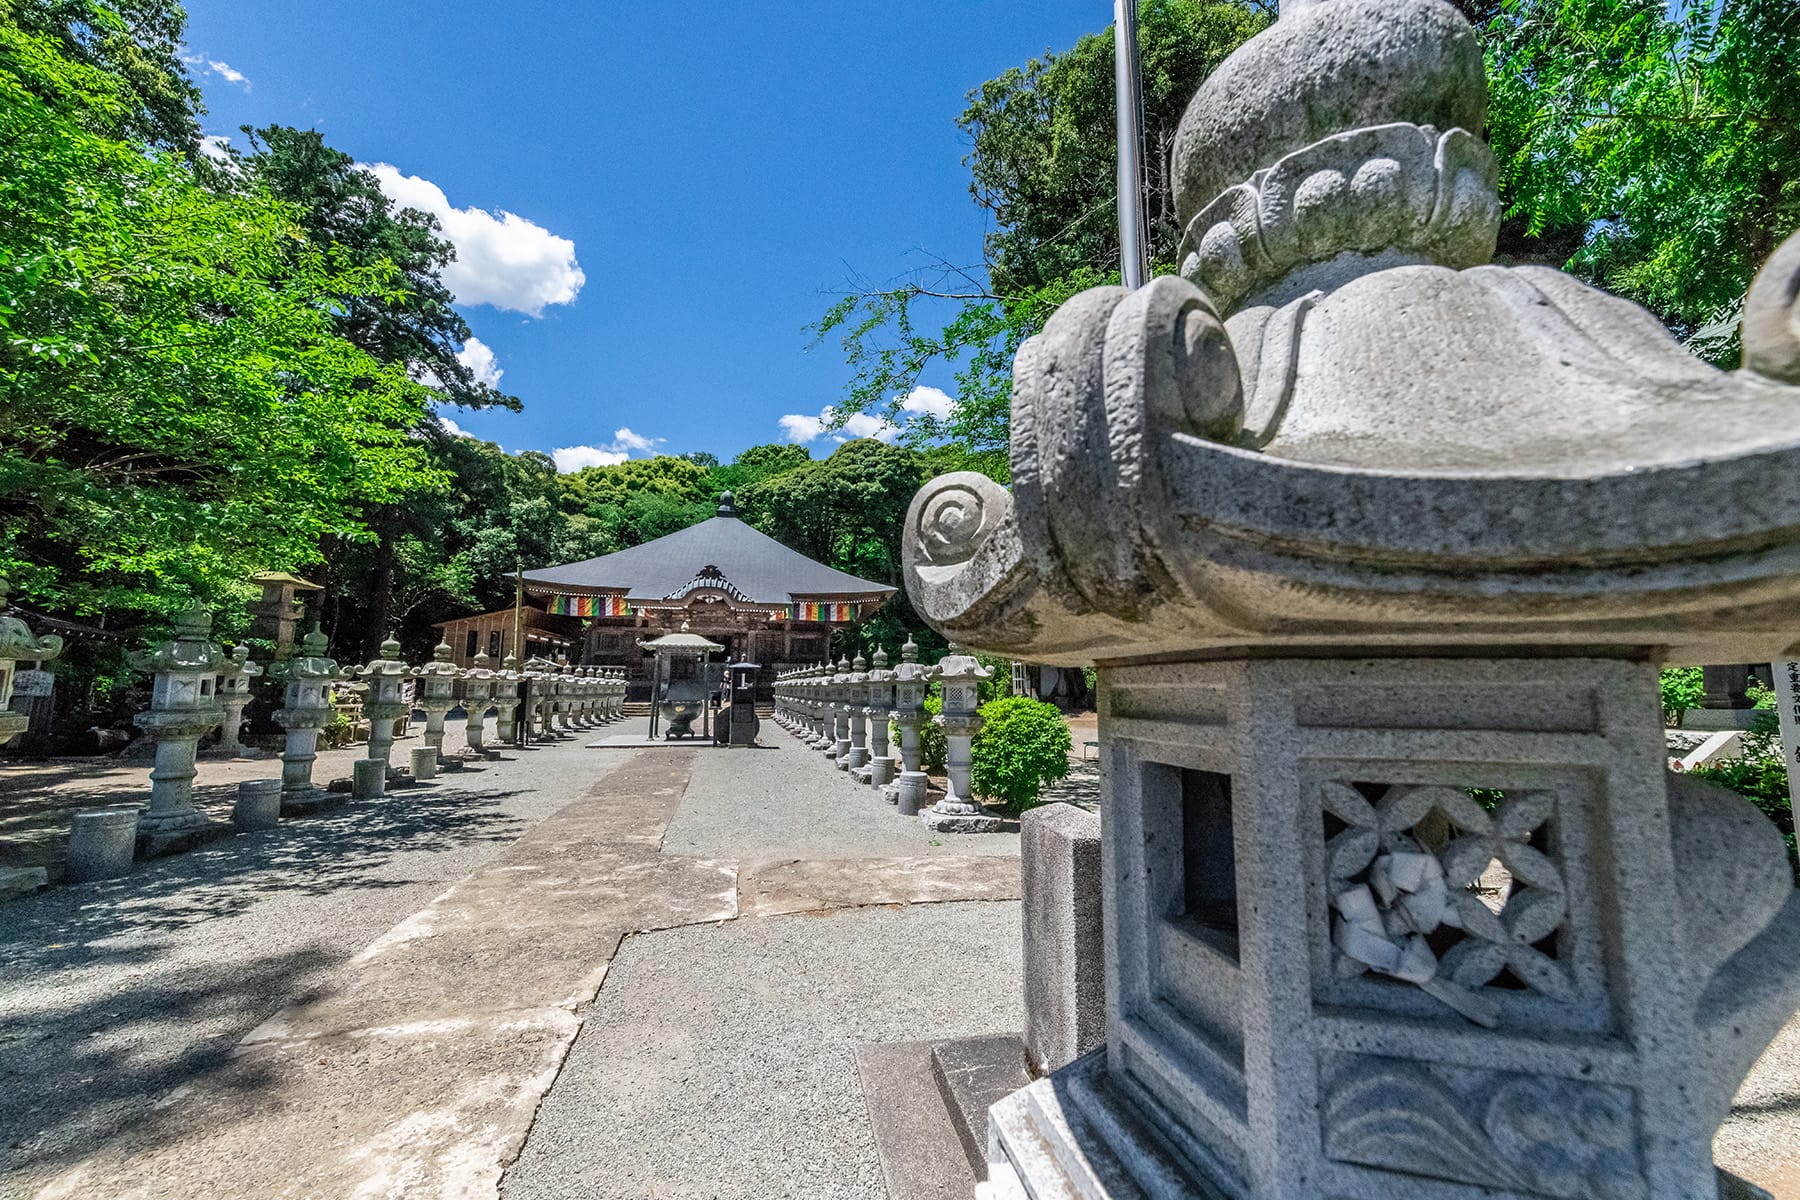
{"x":723,"y":580}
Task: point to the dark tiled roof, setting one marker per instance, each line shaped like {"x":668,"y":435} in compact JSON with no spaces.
{"x":756,"y":565}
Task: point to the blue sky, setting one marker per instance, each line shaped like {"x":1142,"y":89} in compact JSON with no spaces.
{"x":690,"y":185}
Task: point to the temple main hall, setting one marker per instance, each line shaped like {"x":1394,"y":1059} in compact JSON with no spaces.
{"x":722,"y":579}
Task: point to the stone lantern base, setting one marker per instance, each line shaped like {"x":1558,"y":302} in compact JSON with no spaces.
{"x":1428,"y":928}
{"x":947,"y":816}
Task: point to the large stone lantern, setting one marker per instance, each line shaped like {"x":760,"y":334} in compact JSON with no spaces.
{"x":960,"y":676}
{"x":184,"y":705}
{"x":437,"y":694}
{"x":306,"y":709}
{"x":18,"y":644}
{"x":1377,"y":548}
{"x":384,"y":703}
{"x":507,"y":700}
{"x":478,"y":693}
{"x":911,"y":679}
{"x":235,"y":674}
{"x":880,"y":700}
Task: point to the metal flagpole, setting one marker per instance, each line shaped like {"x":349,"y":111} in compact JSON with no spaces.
{"x":1128,"y":97}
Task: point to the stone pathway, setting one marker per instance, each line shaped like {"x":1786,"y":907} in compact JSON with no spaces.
{"x":237,"y":1022}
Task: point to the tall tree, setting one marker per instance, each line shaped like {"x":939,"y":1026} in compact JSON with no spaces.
{"x":136,"y":45}
{"x":1658,"y":143}
{"x":169,"y":422}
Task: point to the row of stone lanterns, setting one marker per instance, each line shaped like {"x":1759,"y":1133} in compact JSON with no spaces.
{"x":843,"y":711}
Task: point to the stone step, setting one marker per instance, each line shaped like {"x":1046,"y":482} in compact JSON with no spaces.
{"x":972,"y":1074}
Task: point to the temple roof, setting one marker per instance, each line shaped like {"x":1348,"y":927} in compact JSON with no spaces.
{"x":756,"y":567}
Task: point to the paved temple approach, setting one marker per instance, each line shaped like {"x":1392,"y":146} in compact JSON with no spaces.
{"x":721,"y":579}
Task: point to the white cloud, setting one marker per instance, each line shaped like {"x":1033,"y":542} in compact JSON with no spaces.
{"x":478,"y":356}
{"x":798,"y":427}
{"x":223,"y":70}
{"x":452,"y":428}
{"x":570,"y":459}
{"x":214,"y":146}
{"x":502,"y":259}
{"x":228,"y":73}
{"x":573,"y":458}
{"x":928,"y":400}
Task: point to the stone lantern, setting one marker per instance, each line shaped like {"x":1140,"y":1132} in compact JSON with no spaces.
{"x":960,"y":676}
{"x":837,"y":696}
{"x":506,"y":701}
{"x":911,"y":678}
{"x":437,"y":694}
{"x":540,"y":675}
{"x":384,"y":703}
{"x":1377,"y":549}
{"x":880,"y":706}
{"x":306,"y":709}
{"x":184,"y":704}
{"x":856,"y":700}
{"x":18,"y":644}
{"x":478,"y":693}
{"x":233,"y":683}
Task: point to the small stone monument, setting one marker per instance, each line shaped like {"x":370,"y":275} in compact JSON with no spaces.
{"x":1377,"y":548}
{"x":235,"y":674}
{"x":386,"y":702}
{"x":911,"y":678}
{"x":437,"y":694}
{"x":184,"y":705}
{"x":880,"y":708}
{"x":478,"y":694}
{"x":306,"y":709}
{"x":18,"y":644}
{"x":957,"y":811}
{"x":506,"y":701}
{"x":856,"y":701}
{"x":837,"y":693}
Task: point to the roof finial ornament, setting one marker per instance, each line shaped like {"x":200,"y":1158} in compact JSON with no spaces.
{"x":727,"y":505}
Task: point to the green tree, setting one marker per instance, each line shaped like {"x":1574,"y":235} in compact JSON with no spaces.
{"x":169,"y":422}
{"x":136,"y":46}
{"x":1041,"y":164}
{"x":846,"y":510}
{"x":1656,"y":144}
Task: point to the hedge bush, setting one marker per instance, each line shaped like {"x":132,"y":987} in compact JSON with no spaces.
{"x":1023,"y":744}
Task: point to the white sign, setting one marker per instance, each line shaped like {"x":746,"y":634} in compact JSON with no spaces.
{"x":33,"y":683}
{"x":1787,"y":705}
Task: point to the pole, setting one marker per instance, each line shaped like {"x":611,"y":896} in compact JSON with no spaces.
{"x":1128,"y":99}
{"x":1787,"y":705}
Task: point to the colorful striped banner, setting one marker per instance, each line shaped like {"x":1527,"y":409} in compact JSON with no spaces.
{"x":830,"y":611}
{"x":590,"y":606}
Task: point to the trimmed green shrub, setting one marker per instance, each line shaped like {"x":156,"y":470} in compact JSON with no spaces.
{"x":1023,"y":744}
{"x":1760,"y":776}
{"x":1681,"y":690}
{"x":933,"y":749}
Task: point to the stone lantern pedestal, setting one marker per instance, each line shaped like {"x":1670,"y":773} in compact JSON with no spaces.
{"x":235,"y":676}
{"x":837,"y":693}
{"x":478,"y":692}
{"x":184,"y":705}
{"x":18,"y":644}
{"x":506,"y":701}
{"x":881,"y":704}
{"x":957,"y":811}
{"x":437,"y":694}
{"x":856,"y":693}
{"x":306,"y":709}
{"x":385,"y":702}
{"x":911,"y":678}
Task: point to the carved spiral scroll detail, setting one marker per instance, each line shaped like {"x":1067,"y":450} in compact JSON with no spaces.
{"x":953,"y":514}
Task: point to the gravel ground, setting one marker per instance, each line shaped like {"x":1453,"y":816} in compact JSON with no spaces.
{"x":790,"y":802}
{"x":718,"y":1060}
{"x":113,"y":993}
